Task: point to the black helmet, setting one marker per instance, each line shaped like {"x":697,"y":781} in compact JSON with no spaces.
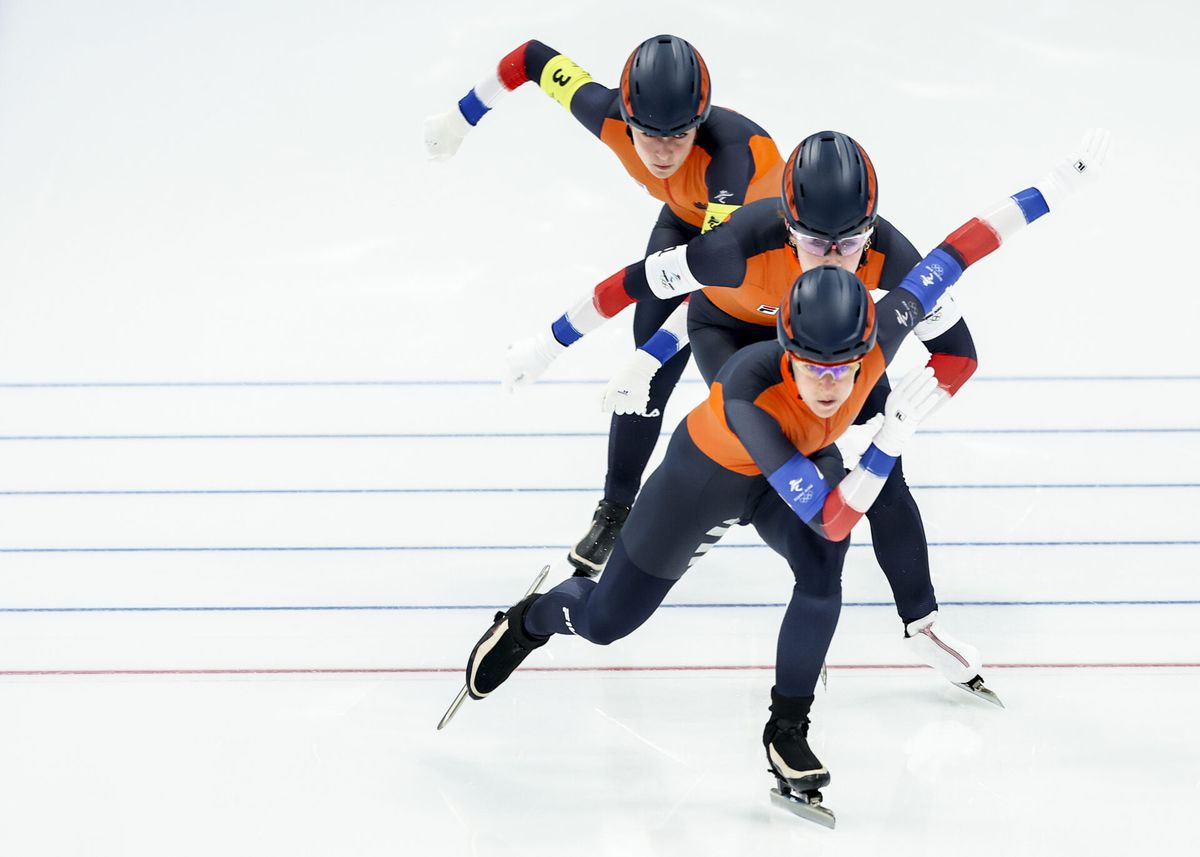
{"x":829,"y":187}
{"x":665,"y":88}
{"x":828,"y":317}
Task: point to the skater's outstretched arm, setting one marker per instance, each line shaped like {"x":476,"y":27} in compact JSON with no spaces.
{"x":714,"y":259}
{"x":943,"y":331}
{"x":557,"y":75}
{"x":928,"y":281}
{"x":833,"y":511}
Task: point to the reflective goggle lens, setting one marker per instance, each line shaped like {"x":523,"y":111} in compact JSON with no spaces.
{"x":820,"y":370}
{"x":848,"y":246}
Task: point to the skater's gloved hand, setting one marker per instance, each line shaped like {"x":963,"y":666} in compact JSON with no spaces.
{"x":444,"y":133}
{"x":855,"y":440}
{"x":528,"y":358}
{"x":911,"y":401}
{"x":1079,"y":170}
{"x":629,"y":390}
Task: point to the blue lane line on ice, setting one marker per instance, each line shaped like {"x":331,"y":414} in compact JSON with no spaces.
{"x":457,"y":548}
{"x":26,"y":438}
{"x":159,"y":492}
{"x":350,"y":608}
{"x":494,"y":382}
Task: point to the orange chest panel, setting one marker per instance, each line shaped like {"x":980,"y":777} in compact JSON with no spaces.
{"x":768,"y":277}
{"x":807,"y":432}
{"x":685,"y":192}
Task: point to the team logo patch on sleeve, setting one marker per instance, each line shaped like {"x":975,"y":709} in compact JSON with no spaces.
{"x":801,"y":493}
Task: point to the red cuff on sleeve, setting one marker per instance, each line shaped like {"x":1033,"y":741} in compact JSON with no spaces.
{"x":512,"y":68}
{"x":951,"y":371}
{"x":974,"y":240}
{"x":838,"y":519}
{"x":610,"y":296}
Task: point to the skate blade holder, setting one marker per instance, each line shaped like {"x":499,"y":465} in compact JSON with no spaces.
{"x":806,"y":805}
{"x":976,"y":687}
{"x":462,"y":694}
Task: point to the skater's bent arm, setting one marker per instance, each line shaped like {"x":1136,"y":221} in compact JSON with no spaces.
{"x":924,"y":287}
{"x":809,"y":485}
{"x":952,"y":351}
{"x":714,"y":259}
{"x":944,"y":331}
{"x":557,"y":75}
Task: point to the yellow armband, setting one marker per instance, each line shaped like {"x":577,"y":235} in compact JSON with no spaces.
{"x":716,"y":214}
{"x":561,"y":79}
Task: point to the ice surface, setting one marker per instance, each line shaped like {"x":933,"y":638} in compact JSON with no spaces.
{"x":259,"y":494}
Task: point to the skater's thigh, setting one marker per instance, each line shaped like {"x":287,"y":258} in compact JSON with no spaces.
{"x":716,"y":336}
{"x":684,"y":508}
{"x":816,"y":562}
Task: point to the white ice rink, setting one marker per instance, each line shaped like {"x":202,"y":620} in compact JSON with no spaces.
{"x":260,"y":493}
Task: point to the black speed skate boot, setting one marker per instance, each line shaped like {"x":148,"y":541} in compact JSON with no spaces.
{"x":593,"y":549}
{"x":797,"y":769}
{"x":500,"y":651}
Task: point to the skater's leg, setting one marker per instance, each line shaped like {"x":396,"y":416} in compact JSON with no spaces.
{"x":688,"y":503}
{"x":600,"y":611}
{"x":897,"y":532}
{"x":898,"y":537}
{"x":716,"y":336}
{"x":632,"y":437}
{"x":804,"y":637}
{"x":816,"y":602}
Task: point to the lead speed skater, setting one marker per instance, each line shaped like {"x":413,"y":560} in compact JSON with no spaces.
{"x":736,"y":276}
{"x":758,"y":451}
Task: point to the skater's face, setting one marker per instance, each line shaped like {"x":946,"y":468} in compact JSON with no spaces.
{"x":663,"y":156}
{"x":824,"y":388}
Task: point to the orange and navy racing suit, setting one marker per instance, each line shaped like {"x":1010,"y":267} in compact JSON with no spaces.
{"x":733,"y":162}
{"x":754,"y":453}
{"x":738,"y":274}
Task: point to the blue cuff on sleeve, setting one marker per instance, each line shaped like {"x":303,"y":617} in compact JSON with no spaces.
{"x":1033,"y":204}
{"x":930,"y":278}
{"x":876,"y":461}
{"x":801,"y":485}
{"x":471,"y":107}
{"x":564,"y":331}
{"x":662,"y":346}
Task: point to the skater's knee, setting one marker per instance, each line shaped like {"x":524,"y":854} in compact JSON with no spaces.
{"x":605,"y":630}
{"x":818,"y":584}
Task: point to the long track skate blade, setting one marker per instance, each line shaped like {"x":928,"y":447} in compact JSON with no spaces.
{"x":537,"y":581}
{"x":979,"y":689}
{"x":462,"y":694}
{"x":453,"y":709}
{"x":824,"y":675}
{"x":810,"y":811}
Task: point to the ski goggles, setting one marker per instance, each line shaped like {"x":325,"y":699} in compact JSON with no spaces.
{"x":817,"y":371}
{"x":847,"y":246}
